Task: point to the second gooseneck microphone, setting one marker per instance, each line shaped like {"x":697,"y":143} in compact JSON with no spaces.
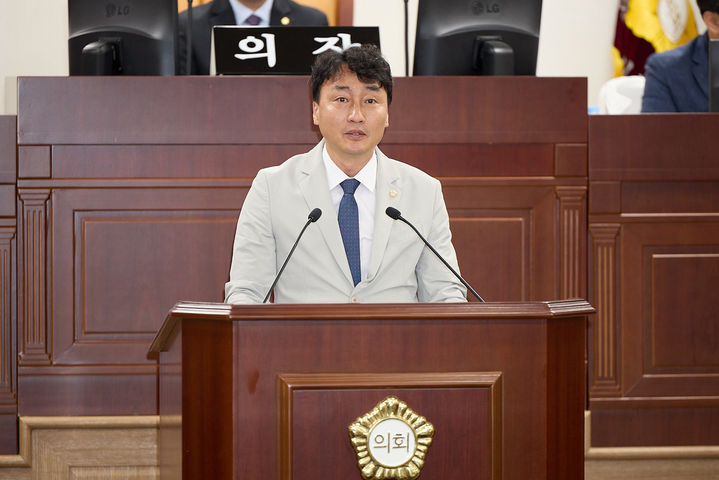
{"x":314,"y":215}
{"x":395,"y":214}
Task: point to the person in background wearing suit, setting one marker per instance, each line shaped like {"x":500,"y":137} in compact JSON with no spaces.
{"x":237,"y":12}
{"x":678,"y":80}
{"x":354,"y":252}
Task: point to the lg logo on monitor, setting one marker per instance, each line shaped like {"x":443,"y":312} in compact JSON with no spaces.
{"x":481,"y":8}
{"x":112,"y":9}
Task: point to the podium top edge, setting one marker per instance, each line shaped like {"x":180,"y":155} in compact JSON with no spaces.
{"x":342,"y":311}
{"x":208,"y":311}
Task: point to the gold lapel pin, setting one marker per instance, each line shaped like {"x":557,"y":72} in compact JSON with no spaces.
{"x":393,"y":193}
{"x":285,"y":21}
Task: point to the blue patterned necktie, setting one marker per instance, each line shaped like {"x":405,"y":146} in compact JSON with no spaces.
{"x":348,"y":219}
{"x":252,"y":20}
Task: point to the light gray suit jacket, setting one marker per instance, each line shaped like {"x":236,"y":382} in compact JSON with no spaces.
{"x":401,"y":268}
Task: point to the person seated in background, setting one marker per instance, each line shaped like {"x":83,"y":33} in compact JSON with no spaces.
{"x":355,"y":252}
{"x":678,"y":80}
{"x":237,"y":12}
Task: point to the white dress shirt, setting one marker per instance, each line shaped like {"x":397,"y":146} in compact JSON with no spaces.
{"x":242,"y":12}
{"x":364,"y":196}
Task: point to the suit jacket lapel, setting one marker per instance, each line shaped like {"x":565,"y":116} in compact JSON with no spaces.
{"x":312,"y":182}
{"x":221,"y":13}
{"x":388,"y":193}
{"x":280,"y":9}
{"x":700,"y":65}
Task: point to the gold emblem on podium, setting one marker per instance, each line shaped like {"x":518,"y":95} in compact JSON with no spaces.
{"x":391,"y":441}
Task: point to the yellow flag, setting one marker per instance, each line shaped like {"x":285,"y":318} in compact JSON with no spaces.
{"x":666,"y":24}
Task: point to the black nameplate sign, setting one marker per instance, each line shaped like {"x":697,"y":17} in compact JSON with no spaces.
{"x":239,"y":50}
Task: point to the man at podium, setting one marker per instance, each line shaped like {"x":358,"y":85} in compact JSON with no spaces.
{"x":351,"y":250}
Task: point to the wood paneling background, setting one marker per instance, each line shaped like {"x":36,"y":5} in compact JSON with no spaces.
{"x":128,"y":190}
{"x":8,"y":305}
{"x":654,"y":263}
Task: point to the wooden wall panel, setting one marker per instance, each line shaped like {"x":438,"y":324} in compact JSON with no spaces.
{"x":475,"y":159}
{"x":448,"y":409}
{"x":668,"y":268}
{"x":649,"y":425}
{"x":668,"y":272}
{"x":233,"y":111}
{"x":653,"y":147}
{"x":520,"y":221}
{"x":126,"y":209}
{"x":109,"y":267}
{"x":8,"y":286}
{"x":654,"y":256}
{"x":190,"y":164}
{"x":8,"y":147}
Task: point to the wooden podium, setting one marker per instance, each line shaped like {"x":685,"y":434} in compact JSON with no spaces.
{"x":268,"y":391}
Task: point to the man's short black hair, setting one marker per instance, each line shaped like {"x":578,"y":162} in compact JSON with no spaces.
{"x":708,"y":5}
{"x":365,"y":61}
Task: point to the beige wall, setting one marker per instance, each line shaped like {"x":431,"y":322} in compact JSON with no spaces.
{"x":33,"y":41}
{"x":576,"y":37}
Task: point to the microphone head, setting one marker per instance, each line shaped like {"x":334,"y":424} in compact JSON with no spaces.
{"x":393,"y":213}
{"x":314,"y":215}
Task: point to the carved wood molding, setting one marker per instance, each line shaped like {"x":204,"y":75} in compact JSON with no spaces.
{"x":604,"y":241}
{"x":7,"y":337}
{"x":383,"y":383}
{"x":84,"y":447}
{"x":33,"y":345}
{"x":572,"y":238}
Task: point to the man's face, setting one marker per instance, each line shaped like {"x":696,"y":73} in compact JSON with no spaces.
{"x":711,"y":20}
{"x":352,"y":116}
{"x":252,"y":4}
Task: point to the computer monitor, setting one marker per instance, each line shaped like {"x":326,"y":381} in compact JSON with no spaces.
{"x":714,"y":75}
{"x":477,"y":37}
{"x":122,"y":37}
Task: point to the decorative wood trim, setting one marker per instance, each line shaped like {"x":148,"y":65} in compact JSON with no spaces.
{"x":7,"y":327}
{"x":34,"y":346}
{"x":8,"y":149}
{"x":570,"y":160}
{"x":605,"y":197}
{"x":8,"y":201}
{"x":642,"y":453}
{"x":653,"y":453}
{"x":393,"y":311}
{"x":34,"y":161}
{"x":288,"y":383}
{"x":103,"y":446}
{"x":605,"y":327}
{"x":572,"y":228}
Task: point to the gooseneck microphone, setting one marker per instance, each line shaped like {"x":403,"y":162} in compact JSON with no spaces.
{"x":314,"y":215}
{"x":395,"y":214}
